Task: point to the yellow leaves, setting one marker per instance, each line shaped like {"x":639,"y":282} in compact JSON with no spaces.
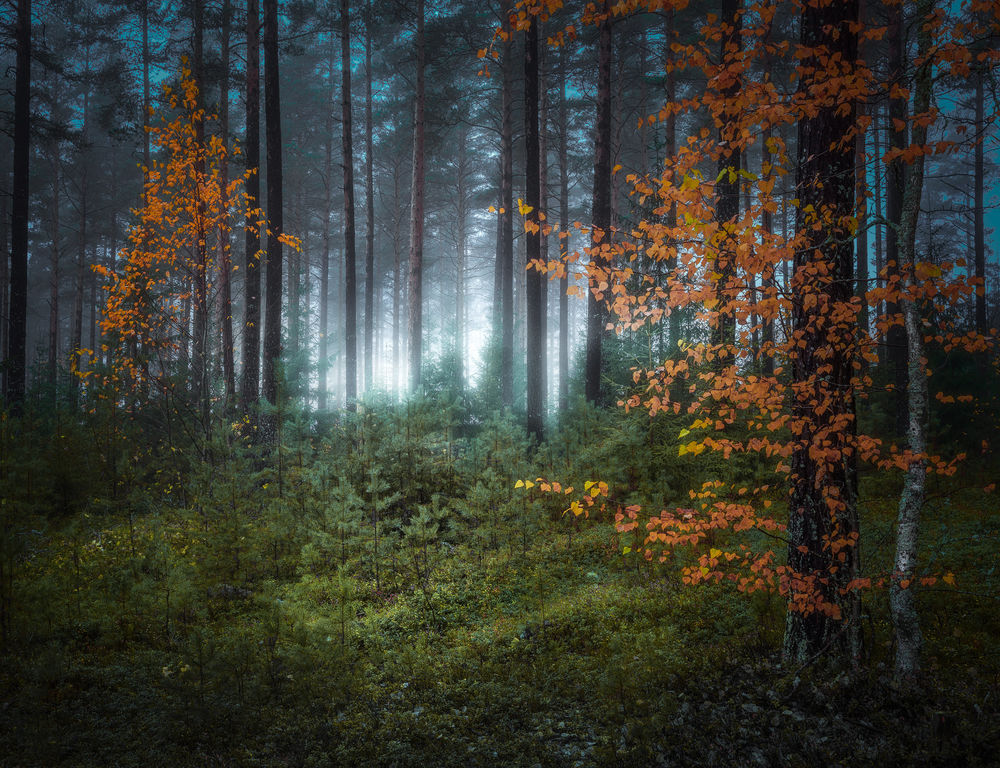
{"x":949,"y":579}
{"x":526,"y":484}
{"x":595,"y":488}
{"x":522,"y":208}
{"x":695,"y":448}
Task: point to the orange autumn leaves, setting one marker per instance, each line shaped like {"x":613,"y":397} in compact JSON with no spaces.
{"x":187,"y":214}
{"x":773,"y":283}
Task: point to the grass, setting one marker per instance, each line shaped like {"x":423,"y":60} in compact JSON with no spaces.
{"x":142,"y":644}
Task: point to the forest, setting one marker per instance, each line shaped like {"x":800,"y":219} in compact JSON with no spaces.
{"x":499,"y":383}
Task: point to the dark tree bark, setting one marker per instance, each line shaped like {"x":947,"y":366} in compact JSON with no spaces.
{"x":225,"y":244}
{"x":895,"y":178}
{"x":822,"y":503}
{"x":369,"y":207}
{"x":879,"y":253}
{"x":902,"y":600}
{"x":76,"y":321}
{"x":275,"y":219}
{"x":543,"y":208}
{"x":324,"y":269}
{"x":53,"y":356}
{"x":249,"y":392}
{"x":4,"y":263}
{"x":536,"y":339}
{"x":350,"y":254}
{"x":462,"y":169}
{"x":199,"y":356}
{"x":978,"y":202}
{"x":670,"y":148}
{"x":145,"y":97}
{"x":563,"y":236}
{"x":600,"y":210}
{"x":507,"y":220}
{"x":727,"y":191}
{"x":860,"y":178}
{"x":417,"y":214}
{"x":17,"y":338}
{"x":767,"y":225}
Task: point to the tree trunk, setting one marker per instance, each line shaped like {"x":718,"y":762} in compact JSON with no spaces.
{"x":145,"y":97}
{"x":200,"y":341}
{"x":350,"y":254}
{"x":225,"y":241}
{"x":670,"y":148}
{"x":324,"y":268}
{"x":369,"y":207}
{"x":767,"y":225}
{"x":17,"y":338}
{"x":727,"y":193}
{"x":53,"y":357}
{"x":535,"y":340}
{"x":861,"y":187}
{"x":563,"y":236}
{"x":249,"y":392}
{"x":902,"y":603}
{"x":895,"y":177}
{"x":417,"y":214}
{"x":879,"y":259}
{"x":978,"y":202}
{"x":397,"y":247}
{"x":543,"y":210}
{"x":275,"y":220}
{"x":507,"y":220}
{"x":822,"y":503}
{"x":460,"y":213}
{"x":600,"y":211}
{"x":4,"y":264}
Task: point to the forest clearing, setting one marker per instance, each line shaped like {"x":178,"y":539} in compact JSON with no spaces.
{"x":499,"y":383}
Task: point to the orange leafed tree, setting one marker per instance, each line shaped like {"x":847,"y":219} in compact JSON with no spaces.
{"x":790,"y":400}
{"x":167,"y":263}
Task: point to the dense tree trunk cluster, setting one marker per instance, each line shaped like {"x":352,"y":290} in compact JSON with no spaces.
{"x":793,"y":277}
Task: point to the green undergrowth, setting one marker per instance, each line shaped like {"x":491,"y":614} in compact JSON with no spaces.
{"x":377,"y":592}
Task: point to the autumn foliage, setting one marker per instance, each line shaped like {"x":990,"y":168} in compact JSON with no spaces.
{"x":785,"y":358}
{"x":170,"y":261}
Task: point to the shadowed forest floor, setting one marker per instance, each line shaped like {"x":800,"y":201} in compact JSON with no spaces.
{"x":222,"y":613}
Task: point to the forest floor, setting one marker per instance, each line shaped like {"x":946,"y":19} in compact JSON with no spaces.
{"x":539,"y":645}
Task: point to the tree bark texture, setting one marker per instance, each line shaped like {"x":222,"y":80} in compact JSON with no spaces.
{"x":727,"y":191}
{"x":507,"y":221}
{"x":275,"y":220}
{"x":822,"y":503}
{"x":978,"y":202}
{"x":350,"y":253}
{"x":17,"y":332}
{"x":324,"y":267}
{"x":600,"y":211}
{"x":895,"y":178}
{"x":249,"y":391}
{"x":415,"y":282}
{"x":199,"y":345}
{"x":563,"y":236}
{"x":535,"y":339}
{"x":369,"y":208}
{"x":902,"y":600}
{"x":225,"y":240}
